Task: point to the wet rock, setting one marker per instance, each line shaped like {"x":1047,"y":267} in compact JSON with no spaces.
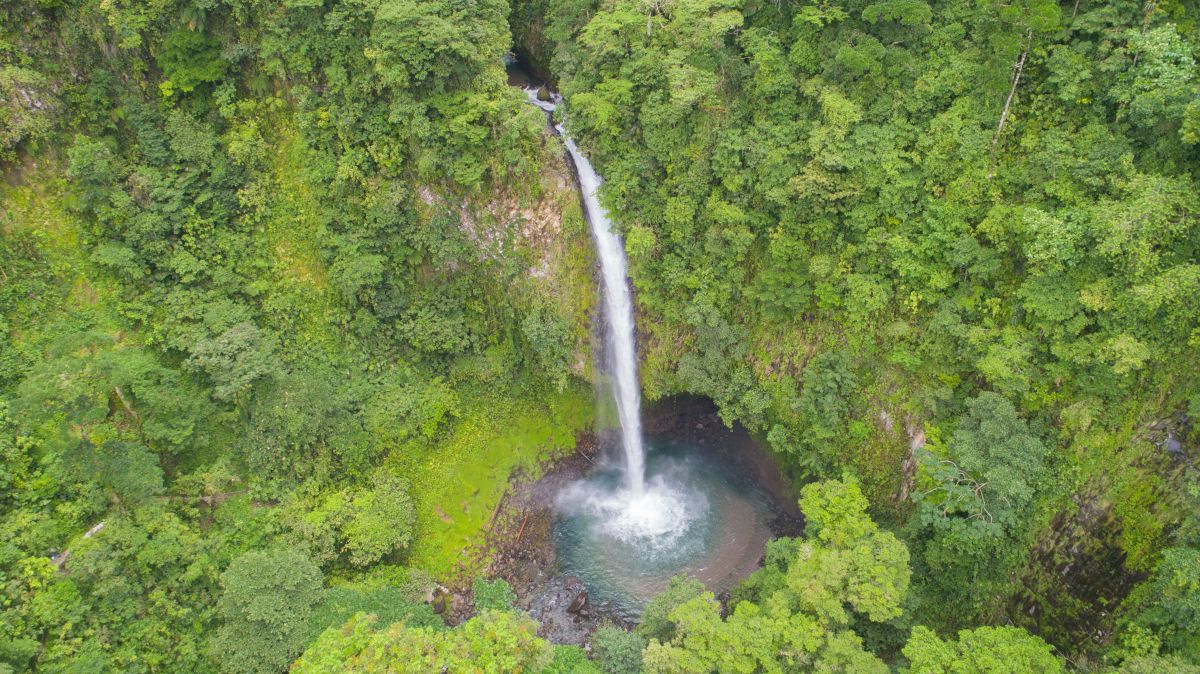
{"x":1173,"y":445}
{"x":578,"y":603}
{"x":543,"y":94}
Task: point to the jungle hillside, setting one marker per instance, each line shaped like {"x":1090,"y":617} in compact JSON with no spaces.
{"x":293,"y":293}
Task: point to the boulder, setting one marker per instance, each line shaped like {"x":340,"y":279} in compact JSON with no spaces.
{"x":578,"y":603}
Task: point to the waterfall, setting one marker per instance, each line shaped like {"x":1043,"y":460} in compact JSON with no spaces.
{"x":618,"y":311}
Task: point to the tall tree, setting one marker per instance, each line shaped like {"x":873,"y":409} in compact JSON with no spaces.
{"x":798,"y":615}
{"x":264,"y":608}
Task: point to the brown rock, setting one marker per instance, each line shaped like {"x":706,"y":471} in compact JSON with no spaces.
{"x":579,"y":602}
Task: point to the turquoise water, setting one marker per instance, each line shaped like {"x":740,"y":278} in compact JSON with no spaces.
{"x":701,"y":514}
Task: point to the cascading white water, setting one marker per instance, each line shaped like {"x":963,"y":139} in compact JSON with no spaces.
{"x":685,"y":508}
{"x":618,"y":310}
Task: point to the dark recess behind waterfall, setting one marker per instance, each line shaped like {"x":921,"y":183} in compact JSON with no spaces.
{"x":696,"y":418}
{"x":527,"y":24}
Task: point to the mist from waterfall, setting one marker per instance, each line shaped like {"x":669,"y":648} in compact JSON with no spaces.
{"x":618,"y":312}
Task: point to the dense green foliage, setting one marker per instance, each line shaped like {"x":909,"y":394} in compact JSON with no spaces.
{"x":973,"y":511}
{"x":263,"y":269}
{"x":495,"y":594}
{"x":494,"y":642}
{"x":265,"y":605}
{"x":617,"y":651}
{"x":949,"y":246}
{"x":656,"y":620}
{"x":288,"y":290}
{"x":987,"y":650}
{"x":1164,"y":612}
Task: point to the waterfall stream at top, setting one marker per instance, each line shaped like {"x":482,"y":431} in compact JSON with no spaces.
{"x":653,"y":512}
{"x":618,"y":311}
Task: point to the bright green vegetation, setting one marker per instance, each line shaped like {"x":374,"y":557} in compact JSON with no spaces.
{"x":253,"y":305}
{"x":485,"y":446}
{"x":289,"y":290}
{"x":493,"y":641}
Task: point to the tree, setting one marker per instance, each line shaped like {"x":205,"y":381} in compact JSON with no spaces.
{"x":235,"y":360}
{"x":189,"y":59}
{"x":298,"y":415}
{"x":435,"y":45}
{"x":984,"y":650}
{"x":1161,"y":80}
{"x":973,"y":501}
{"x":1167,"y":604}
{"x":381,"y":521}
{"x":265,"y":606}
{"x":410,"y":406}
{"x":617,"y":651}
{"x":549,"y":337}
{"x":655,"y":622}
{"x":799,"y":619}
{"x":493,"y":642}
{"x":824,"y":404}
{"x":993,"y":446}
{"x":361,"y":526}
{"x":128,"y":471}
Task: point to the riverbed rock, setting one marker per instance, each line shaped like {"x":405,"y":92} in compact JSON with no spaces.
{"x":578,"y":603}
{"x":1173,"y":446}
{"x":543,"y":94}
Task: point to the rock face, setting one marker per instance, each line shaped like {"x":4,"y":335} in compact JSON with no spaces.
{"x":544,"y":228}
{"x":530,"y":564}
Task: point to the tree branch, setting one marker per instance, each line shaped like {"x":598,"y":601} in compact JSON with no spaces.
{"x":1018,"y":68}
{"x":125,"y":403}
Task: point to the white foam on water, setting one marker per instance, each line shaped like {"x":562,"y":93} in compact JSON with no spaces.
{"x":651,"y":520}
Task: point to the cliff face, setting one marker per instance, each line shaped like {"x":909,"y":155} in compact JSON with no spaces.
{"x":540,"y":235}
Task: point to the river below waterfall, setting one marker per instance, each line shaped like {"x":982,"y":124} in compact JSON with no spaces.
{"x":718,"y":527}
{"x":549,"y":556}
